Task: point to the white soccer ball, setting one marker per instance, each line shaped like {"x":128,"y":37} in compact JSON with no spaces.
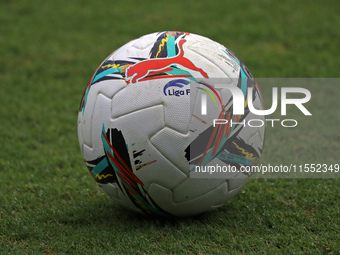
{"x":147,"y":121}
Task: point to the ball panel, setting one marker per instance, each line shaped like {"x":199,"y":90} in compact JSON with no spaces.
{"x":204,"y":203}
{"x":192,"y":188}
{"x":169,"y":138}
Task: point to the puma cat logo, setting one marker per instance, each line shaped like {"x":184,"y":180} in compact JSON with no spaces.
{"x":141,"y":69}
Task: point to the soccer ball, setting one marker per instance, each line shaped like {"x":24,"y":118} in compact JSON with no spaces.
{"x":142,"y":129}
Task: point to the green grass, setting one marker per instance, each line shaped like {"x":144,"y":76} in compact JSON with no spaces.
{"x":48,"y":201}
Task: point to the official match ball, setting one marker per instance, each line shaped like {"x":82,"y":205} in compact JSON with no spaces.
{"x":157,"y":128}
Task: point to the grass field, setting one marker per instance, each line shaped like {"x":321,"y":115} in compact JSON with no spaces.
{"x":49,"y":204}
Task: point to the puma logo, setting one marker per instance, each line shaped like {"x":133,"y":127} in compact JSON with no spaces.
{"x":141,"y":69}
